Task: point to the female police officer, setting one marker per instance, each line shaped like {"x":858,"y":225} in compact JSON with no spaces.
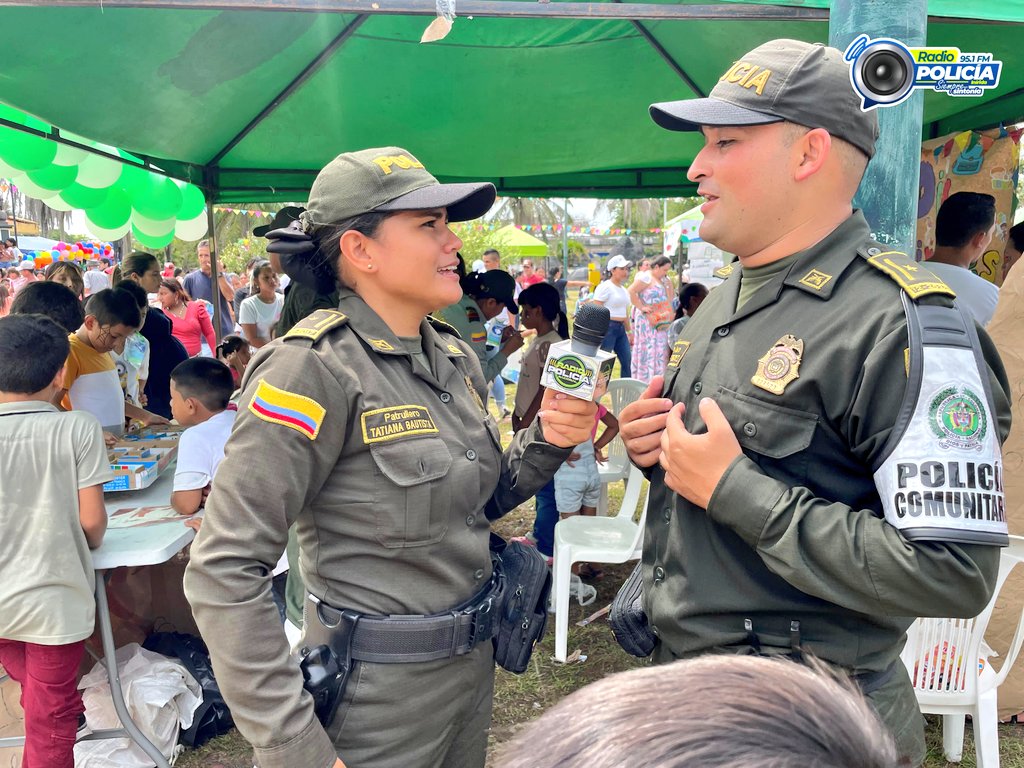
{"x":366,"y":426}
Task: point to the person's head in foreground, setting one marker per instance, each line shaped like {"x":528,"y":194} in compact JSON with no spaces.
{"x":34,"y":349}
{"x":785,"y":146}
{"x":377,"y":223}
{"x":710,"y":712}
{"x":200,"y":388}
{"x":56,"y":301}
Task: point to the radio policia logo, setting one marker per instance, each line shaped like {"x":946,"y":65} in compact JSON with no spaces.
{"x":570,"y":372}
{"x":958,"y":418}
{"x":885,"y":72}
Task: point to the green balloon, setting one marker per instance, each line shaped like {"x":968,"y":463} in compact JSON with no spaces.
{"x":55,"y":177}
{"x":160,"y":199}
{"x":25,"y":151}
{"x":85,"y":198}
{"x":192,"y":202}
{"x":114,"y":211}
{"x":133,"y":180}
{"x":152,"y":242}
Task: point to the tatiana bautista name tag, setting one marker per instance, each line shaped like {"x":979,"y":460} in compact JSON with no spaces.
{"x":396,"y":421}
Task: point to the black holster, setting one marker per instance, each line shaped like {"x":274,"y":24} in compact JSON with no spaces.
{"x":327,"y":658}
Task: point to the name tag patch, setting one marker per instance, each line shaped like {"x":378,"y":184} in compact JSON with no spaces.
{"x":397,"y":421}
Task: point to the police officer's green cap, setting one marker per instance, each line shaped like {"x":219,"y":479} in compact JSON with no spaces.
{"x":388,"y":179}
{"x":804,"y":83}
{"x":282,"y":219}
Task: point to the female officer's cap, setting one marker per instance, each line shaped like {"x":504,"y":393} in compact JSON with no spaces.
{"x":388,"y":179}
{"x":804,"y":83}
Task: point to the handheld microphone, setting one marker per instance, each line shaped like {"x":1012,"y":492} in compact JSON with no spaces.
{"x":578,"y":367}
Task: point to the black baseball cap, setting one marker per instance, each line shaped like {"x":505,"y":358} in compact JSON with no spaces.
{"x":804,"y":83}
{"x":282,"y":219}
{"x":493,"y":284}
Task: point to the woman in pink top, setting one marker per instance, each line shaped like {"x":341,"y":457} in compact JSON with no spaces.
{"x":190,"y":321}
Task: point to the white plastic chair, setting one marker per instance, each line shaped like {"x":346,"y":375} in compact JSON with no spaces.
{"x":622,"y":392}
{"x":953,"y":676}
{"x":594,"y":540}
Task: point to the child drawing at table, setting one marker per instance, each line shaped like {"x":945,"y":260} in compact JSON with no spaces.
{"x":200,"y":390}
{"x":53,"y":467}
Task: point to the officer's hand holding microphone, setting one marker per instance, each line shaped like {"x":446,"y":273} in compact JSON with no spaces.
{"x":653,"y":431}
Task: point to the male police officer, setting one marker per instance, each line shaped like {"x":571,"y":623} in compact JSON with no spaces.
{"x":766,"y":532}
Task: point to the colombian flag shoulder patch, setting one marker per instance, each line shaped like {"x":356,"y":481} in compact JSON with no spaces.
{"x":278,"y":406}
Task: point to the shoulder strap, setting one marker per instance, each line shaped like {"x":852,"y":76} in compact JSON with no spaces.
{"x":317,"y":324}
{"x":442,"y":327}
{"x":915,"y":280}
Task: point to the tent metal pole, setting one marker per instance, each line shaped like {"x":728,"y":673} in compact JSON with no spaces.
{"x":889,"y":190}
{"x":565,"y":238}
{"x":214,"y":270}
{"x":481,"y":8}
{"x":653,"y":42}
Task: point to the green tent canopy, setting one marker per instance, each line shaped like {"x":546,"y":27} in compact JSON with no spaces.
{"x":249,"y":104}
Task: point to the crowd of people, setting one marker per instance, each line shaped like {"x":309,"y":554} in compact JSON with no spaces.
{"x":345,"y":425}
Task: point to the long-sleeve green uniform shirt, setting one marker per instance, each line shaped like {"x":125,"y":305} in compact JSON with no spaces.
{"x":391,"y":474}
{"x":794,"y":530}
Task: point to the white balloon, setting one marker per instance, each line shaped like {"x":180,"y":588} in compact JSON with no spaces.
{"x":152,"y":227}
{"x":28,"y":187}
{"x":98,"y":172}
{"x":109,"y":235}
{"x":58,"y":204}
{"x":192,"y":229}
{"x":67,"y":155}
{"x":8,"y":171}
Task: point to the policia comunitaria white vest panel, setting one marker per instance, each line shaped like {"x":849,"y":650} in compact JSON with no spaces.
{"x":942,"y":475}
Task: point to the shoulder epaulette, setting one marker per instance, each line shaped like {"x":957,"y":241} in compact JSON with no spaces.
{"x":724,"y":272}
{"x":914,"y":278}
{"x":317,"y":324}
{"x":442,"y":326}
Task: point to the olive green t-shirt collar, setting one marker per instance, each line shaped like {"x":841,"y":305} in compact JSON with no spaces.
{"x":816,"y":269}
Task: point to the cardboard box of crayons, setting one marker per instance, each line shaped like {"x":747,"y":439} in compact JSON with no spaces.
{"x":138,"y":458}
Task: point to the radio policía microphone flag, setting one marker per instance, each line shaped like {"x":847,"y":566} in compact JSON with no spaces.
{"x":579,"y":367}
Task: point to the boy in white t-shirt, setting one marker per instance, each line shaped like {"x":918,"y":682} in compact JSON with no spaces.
{"x":53,"y":467}
{"x":200,"y":390}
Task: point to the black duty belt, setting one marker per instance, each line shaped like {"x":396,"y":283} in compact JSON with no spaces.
{"x":405,"y":639}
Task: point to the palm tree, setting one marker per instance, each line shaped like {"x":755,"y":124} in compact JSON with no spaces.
{"x":529,"y":210}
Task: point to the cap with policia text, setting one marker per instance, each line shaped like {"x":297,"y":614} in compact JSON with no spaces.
{"x":388,"y":179}
{"x":804,"y":83}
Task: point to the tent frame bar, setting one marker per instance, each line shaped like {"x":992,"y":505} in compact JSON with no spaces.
{"x":489,"y":9}
{"x":482,"y":8}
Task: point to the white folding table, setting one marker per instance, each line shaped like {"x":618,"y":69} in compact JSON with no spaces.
{"x":150,"y":544}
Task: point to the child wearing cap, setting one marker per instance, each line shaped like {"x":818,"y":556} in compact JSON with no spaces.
{"x":53,"y":466}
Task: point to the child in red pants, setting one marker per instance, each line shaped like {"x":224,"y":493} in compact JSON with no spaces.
{"x":53,"y":467}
